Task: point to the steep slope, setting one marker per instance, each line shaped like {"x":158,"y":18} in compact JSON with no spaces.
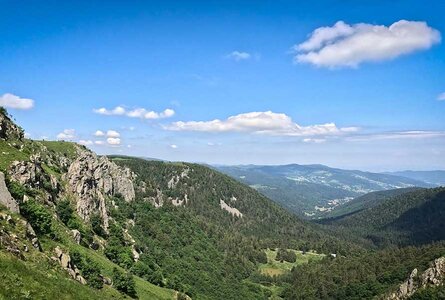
{"x":143,"y":229}
{"x":314,"y":190}
{"x":432,"y":177}
{"x":223,"y":224}
{"x":62,"y":192}
{"x":412,"y":218}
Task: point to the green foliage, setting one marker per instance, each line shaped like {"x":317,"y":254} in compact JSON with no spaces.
{"x":96,"y":224}
{"x":65,"y":211}
{"x":124,"y":282}
{"x":286,"y":255}
{"x":117,"y":250}
{"x":412,"y":218}
{"x":89,"y":269}
{"x":37,"y":215}
{"x":16,"y":189}
{"x":430,"y":293}
{"x":360,"y":276}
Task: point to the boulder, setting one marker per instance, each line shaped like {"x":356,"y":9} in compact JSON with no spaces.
{"x":76,"y":235}
{"x":5,"y":196}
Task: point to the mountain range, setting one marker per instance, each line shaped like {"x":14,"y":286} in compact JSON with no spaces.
{"x":76,"y":225}
{"x":313,"y":191}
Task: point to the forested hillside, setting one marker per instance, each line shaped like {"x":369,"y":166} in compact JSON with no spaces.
{"x":412,"y":218}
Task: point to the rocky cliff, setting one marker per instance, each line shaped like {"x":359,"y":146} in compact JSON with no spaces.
{"x":92,"y":179}
{"x":433,"y":276}
{"x":5,"y":197}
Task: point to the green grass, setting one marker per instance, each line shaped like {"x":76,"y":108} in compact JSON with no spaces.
{"x":8,"y":154}
{"x":144,"y":289}
{"x":67,"y":149}
{"x":274,"y":268}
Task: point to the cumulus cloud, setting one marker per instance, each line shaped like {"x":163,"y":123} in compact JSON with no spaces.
{"x":99,"y":142}
{"x":15,"y":102}
{"x":344,"y":45}
{"x":99,"y":133}
{"x":238,"y":55}
{"x":266,"y":122}
{"x":67,"y":134}
{"x":86,"y":142}
{"x":113,"y":134}
{"x":113,"y":141}
{"x":141,"y":113}
{"x":173,"y":146}
{"x":441,"y":97}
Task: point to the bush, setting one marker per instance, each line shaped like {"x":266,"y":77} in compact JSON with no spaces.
{"x":37,"y":215}
{"x":96,"y":224}
{"x":64,"y":211}
{"x":286,"y":255}
{"x":89,"y":269}
{"x":124,"y":282}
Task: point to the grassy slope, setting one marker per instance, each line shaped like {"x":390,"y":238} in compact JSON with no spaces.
{"x":274,"y":267}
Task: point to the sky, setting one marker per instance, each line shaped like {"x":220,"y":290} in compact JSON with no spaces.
{"x":349,"y":84}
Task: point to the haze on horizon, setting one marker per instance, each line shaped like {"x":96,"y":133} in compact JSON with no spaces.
{"x":356,"y":87}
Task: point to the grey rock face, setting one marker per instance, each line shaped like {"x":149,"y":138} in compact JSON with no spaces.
{"x":5,"y":197}
{"x":433,"y":276}
{"x":92,"y":178}
{"x":28,"y":173}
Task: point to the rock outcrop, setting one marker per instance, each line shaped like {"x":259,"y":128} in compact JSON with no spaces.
{"x":65,"y":261}
{"x":8,"y":130}
{"x":5,"y":197}
{"x":232,"y":210}
{"x":92,"y":179}
{"x":433,"y":276}
{"x":28,"y":173}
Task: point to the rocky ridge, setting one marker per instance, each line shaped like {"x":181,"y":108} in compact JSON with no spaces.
{"x":433,"y":276}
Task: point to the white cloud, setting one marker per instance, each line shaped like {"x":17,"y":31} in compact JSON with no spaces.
{"x":344,"y":45}
{"x":410,"y":134}
{"x":113,"y":134}
{"x":136,"y":113}
{"x":15,"y":102}
{"x":67,"y":134}
{"x":117,"y":111}
{"x":99,"y":133}
{"x":315,"y":141}
{"x":85,"y":142}
{"x":261,"y":123}
{"x":99,"y":142}
{"x":174,"y":146}
{"x":441,"y":97}
{"x":238,"y":55}
{"x":113,"y":141}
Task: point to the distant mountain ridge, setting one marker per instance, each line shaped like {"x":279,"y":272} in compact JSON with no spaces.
{"x":436,"y":177}
{"x":314,"y":190}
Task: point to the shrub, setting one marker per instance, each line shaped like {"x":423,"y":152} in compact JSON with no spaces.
{"x":96,"y":224}
{"x":64,"y":211}
{"x":124,"y":282}
{"x":89,"y":269}
{"x":37,"y":215}
{"x":286,"y":255}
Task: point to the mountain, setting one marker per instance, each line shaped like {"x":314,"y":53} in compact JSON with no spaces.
{"x":431,"y":177}
{"x":366,"y":201}
{"x":314,"y":190}
{"x":413,"y":218}
{"x":126,"y":227}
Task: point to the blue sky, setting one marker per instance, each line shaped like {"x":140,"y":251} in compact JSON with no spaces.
{"x":363,"y":96}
